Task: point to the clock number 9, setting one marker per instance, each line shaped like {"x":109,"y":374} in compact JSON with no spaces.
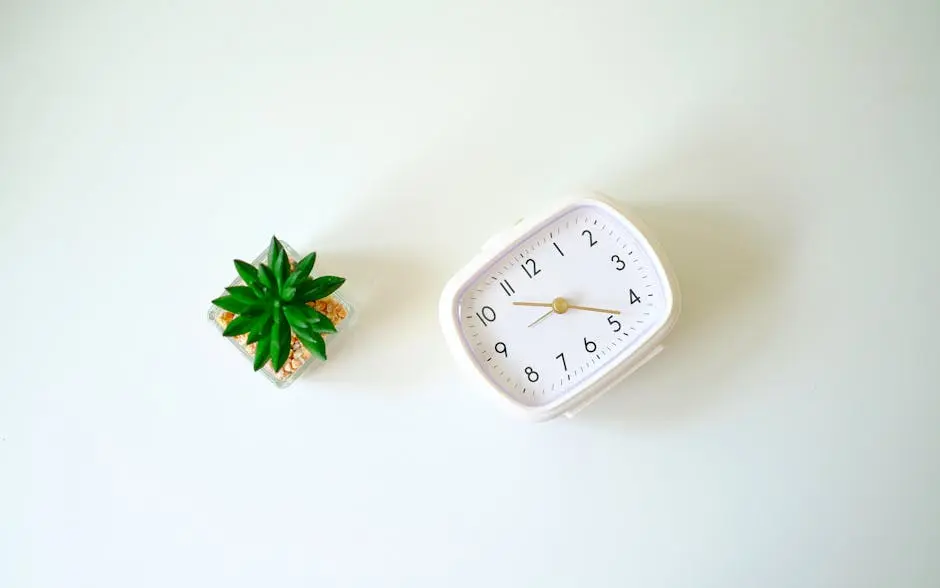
{"x":532,"y":374}
{"x":590,"y":346}
{"x":500,"y":344}
{"x":620,"y":263}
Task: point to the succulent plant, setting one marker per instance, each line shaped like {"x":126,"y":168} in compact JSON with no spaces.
{"x":273,"y":303}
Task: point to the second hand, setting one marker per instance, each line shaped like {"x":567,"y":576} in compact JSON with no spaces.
{"x":542,"y":318}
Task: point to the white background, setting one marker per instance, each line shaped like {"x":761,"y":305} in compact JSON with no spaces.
{"x":785,"y":153}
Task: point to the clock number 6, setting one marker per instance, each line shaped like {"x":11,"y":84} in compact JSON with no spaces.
{"x":620,"y":263}
{"x":615,"y":324}
{"x":590,"y":346}
{"x":532,"y":374}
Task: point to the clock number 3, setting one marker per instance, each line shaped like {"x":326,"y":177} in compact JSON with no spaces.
{"x":620,"y":263}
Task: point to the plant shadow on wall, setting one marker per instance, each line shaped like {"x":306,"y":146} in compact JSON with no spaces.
{"x":727,"y":270}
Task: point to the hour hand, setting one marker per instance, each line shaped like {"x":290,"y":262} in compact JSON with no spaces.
{"x":561,"y":306}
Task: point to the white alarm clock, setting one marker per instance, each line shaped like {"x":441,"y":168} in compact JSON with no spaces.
{"x":561,"y":307}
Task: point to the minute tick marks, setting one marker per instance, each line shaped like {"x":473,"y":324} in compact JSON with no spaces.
{"x":570,"y":263}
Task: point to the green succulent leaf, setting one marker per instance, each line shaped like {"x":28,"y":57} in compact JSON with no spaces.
{"x":280,"y":341}
{"x":266,"y":277}
{"x":322,"y":323}
{"x":288,"y":293}
{"x":281,"y":268}
{"x":311,"y":290}
{"x":239,"y":326}
{"x":295,"y":317}
{"x":248,"y":272}
{"x":303,"y":269}
{"x":315,"y":343}
{"x":304,"y":318}
{"x":261,"y":328}
{"x":277,"y":260}
{"x":284,"y":347}
{"x":308,"y":332}
{"x":244,"y":293}
{"x":275,"y":340}
{"x":262,"y":353}
{"x":232,"y":304}
{"x":274,"y":250}
{"x":315,"y":321}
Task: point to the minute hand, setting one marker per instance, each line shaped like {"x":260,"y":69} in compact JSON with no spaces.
{"x":575,"y":306}
{"x":592,"y":309}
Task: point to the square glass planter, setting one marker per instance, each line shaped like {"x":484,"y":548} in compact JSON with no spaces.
{"x":284,"y":378}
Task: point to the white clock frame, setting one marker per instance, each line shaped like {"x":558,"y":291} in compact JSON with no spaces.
{"x":499,"y":245}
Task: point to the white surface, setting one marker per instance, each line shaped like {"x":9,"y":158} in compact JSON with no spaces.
{"x":785,"y":153}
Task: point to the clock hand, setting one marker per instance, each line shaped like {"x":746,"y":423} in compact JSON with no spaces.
{"x":545,"y":304}
{"x":561,"y":306}
{"x":592,"y":309}
{"x":542,"y":318}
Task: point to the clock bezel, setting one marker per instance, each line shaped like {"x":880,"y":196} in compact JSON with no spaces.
{"x":497,"y":248}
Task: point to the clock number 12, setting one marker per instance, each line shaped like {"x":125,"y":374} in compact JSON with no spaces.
{"x":535,"y":270}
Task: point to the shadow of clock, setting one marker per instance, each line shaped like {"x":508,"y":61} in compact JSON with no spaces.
{"x":727,"y":267}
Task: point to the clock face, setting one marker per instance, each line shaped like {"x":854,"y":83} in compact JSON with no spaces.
{"x":563,"y":306}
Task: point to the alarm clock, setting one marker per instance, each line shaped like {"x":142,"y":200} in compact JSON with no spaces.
{"x":561,"y":307}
